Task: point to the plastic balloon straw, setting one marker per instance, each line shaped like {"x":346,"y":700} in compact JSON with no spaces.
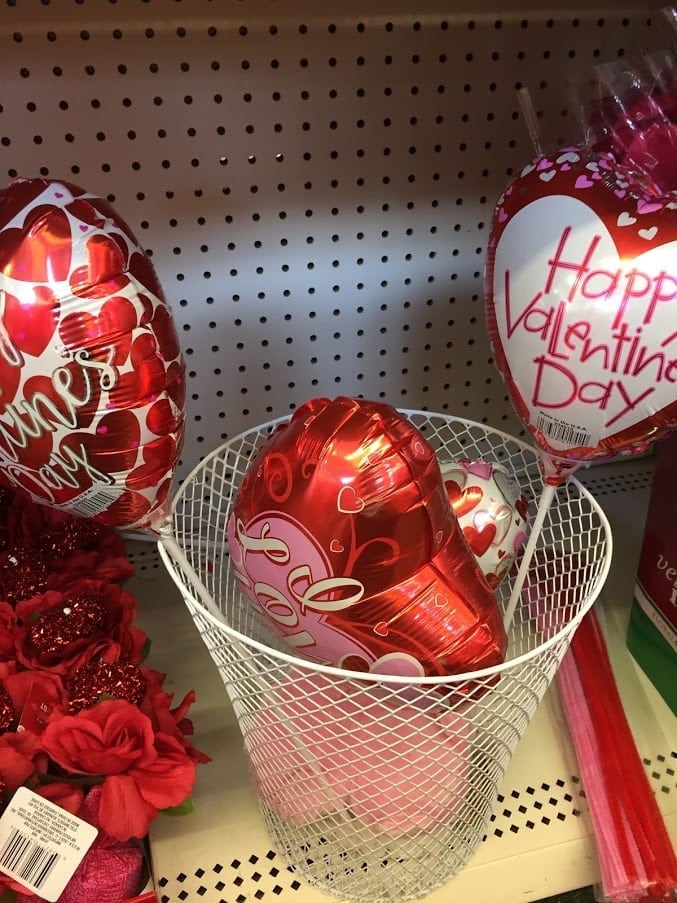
{"x":636,"y":857}
{"x":670,"y":16}
{"x":530,"y":118}
{"x":543,"y":507}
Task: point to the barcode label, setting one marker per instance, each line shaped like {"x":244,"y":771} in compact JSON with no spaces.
{"x":561,"y":431}
{"x":41,"y":845}
{"x":93,"y":501}
{"x":30,"y":861}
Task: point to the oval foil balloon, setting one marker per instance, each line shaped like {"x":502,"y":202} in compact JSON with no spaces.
{"x":343,"y":535}
{"x":91,"y":373}
{"x":492,"y":513}
{"x":581,"y":289}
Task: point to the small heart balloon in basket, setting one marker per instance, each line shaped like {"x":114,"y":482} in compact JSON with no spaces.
{"x":91,"y":374}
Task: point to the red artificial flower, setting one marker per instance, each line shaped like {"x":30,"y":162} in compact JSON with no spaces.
{"x":23,"y":573}
{"x":144,"y":772}
{"x":45,"y":687}
{"x":167,"y":720}
{"x":8,"y":626}
{"x":11,"y":511}
{"x":62,"y":793}
{"x":66,"y":547}
{"x":21,"y":759}
{"x":63,"y":607}
{"x":92,"y":565}
{"x":75,"y":546}
{"x":63,"y":630}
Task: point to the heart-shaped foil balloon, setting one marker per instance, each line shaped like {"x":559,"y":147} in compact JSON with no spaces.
{"x":91,"y":374}
{"x":343,"y":536}
{"x":492,"y":513}
{"x":581,"y":287}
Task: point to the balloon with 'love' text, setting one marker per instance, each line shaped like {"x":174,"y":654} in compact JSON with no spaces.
{"x":581,"y":289}
{"x":342,"y":536}
{"x":92,"y":380}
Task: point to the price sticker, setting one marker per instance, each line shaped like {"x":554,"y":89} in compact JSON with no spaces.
{"x":41,"y":844}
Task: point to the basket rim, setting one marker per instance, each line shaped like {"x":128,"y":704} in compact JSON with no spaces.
{"x":169,"y":550}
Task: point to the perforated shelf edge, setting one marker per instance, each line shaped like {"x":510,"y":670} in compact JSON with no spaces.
{"x":539,"y":841}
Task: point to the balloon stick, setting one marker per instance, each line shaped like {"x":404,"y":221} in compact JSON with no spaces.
{"x":530,"y":118}
{"x":543,"y":507}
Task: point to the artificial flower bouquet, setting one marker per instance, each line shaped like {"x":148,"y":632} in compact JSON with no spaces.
{"x":84,"y":724}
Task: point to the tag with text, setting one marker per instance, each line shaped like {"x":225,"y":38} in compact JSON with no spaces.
{"x":41,"y":844}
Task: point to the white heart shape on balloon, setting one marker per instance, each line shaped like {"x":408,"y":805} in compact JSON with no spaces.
{"x":589,"y":337}
{"x":568,"y":157}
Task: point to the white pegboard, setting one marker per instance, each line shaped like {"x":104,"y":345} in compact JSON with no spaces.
{"x":315,"y":187}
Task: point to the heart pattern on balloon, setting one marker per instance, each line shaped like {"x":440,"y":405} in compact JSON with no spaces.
{"x":491,"y":511}
{"x":581,"y":287}
{"x":92,"y":377}
{"x":343,"y":539}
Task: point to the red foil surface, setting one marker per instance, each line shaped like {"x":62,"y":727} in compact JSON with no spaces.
{"x":93,"y":381}
{"x":343,"y":535}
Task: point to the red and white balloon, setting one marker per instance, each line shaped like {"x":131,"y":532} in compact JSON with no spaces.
{"x":343,"y":537}
{"x":491,"y":511}
{"x":581,"y":288}
{"x":92,"y":378}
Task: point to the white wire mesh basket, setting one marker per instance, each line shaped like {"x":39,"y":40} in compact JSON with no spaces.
{"x":379,"y":788}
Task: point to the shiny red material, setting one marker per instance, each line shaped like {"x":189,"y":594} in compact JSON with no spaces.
{"x":91,"y":374}
{"x":100,"y":679}
{"x":23,"y":574}
{"x":7,"y":713}
{"x":59,"y":632}
{"x":581,"y":290}
{"x":343,"y":535}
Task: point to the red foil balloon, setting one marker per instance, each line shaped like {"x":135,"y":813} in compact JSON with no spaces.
{"x":581,"y":286}
{"x":343,"y":535}
{"x":91,"y":372}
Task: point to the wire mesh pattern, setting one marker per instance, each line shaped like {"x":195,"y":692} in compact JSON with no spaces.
{"x":380,"y":788}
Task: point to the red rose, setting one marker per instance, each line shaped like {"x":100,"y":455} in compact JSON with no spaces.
{"x":89,"y":564}
{"x":62,"y":631}
{"x":71,"y":547}
{"x":68,"y":796}
{"x":8,"y":628}
{"x":46,"y":685}
{"x":166,"y":720}
{"x":20,"y":759}
{"x":143,"y":772}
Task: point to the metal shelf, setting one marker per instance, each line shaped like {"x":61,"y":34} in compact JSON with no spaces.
{"x":539,"y":841}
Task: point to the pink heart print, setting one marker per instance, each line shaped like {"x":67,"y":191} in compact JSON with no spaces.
{"x":581,"y":289}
